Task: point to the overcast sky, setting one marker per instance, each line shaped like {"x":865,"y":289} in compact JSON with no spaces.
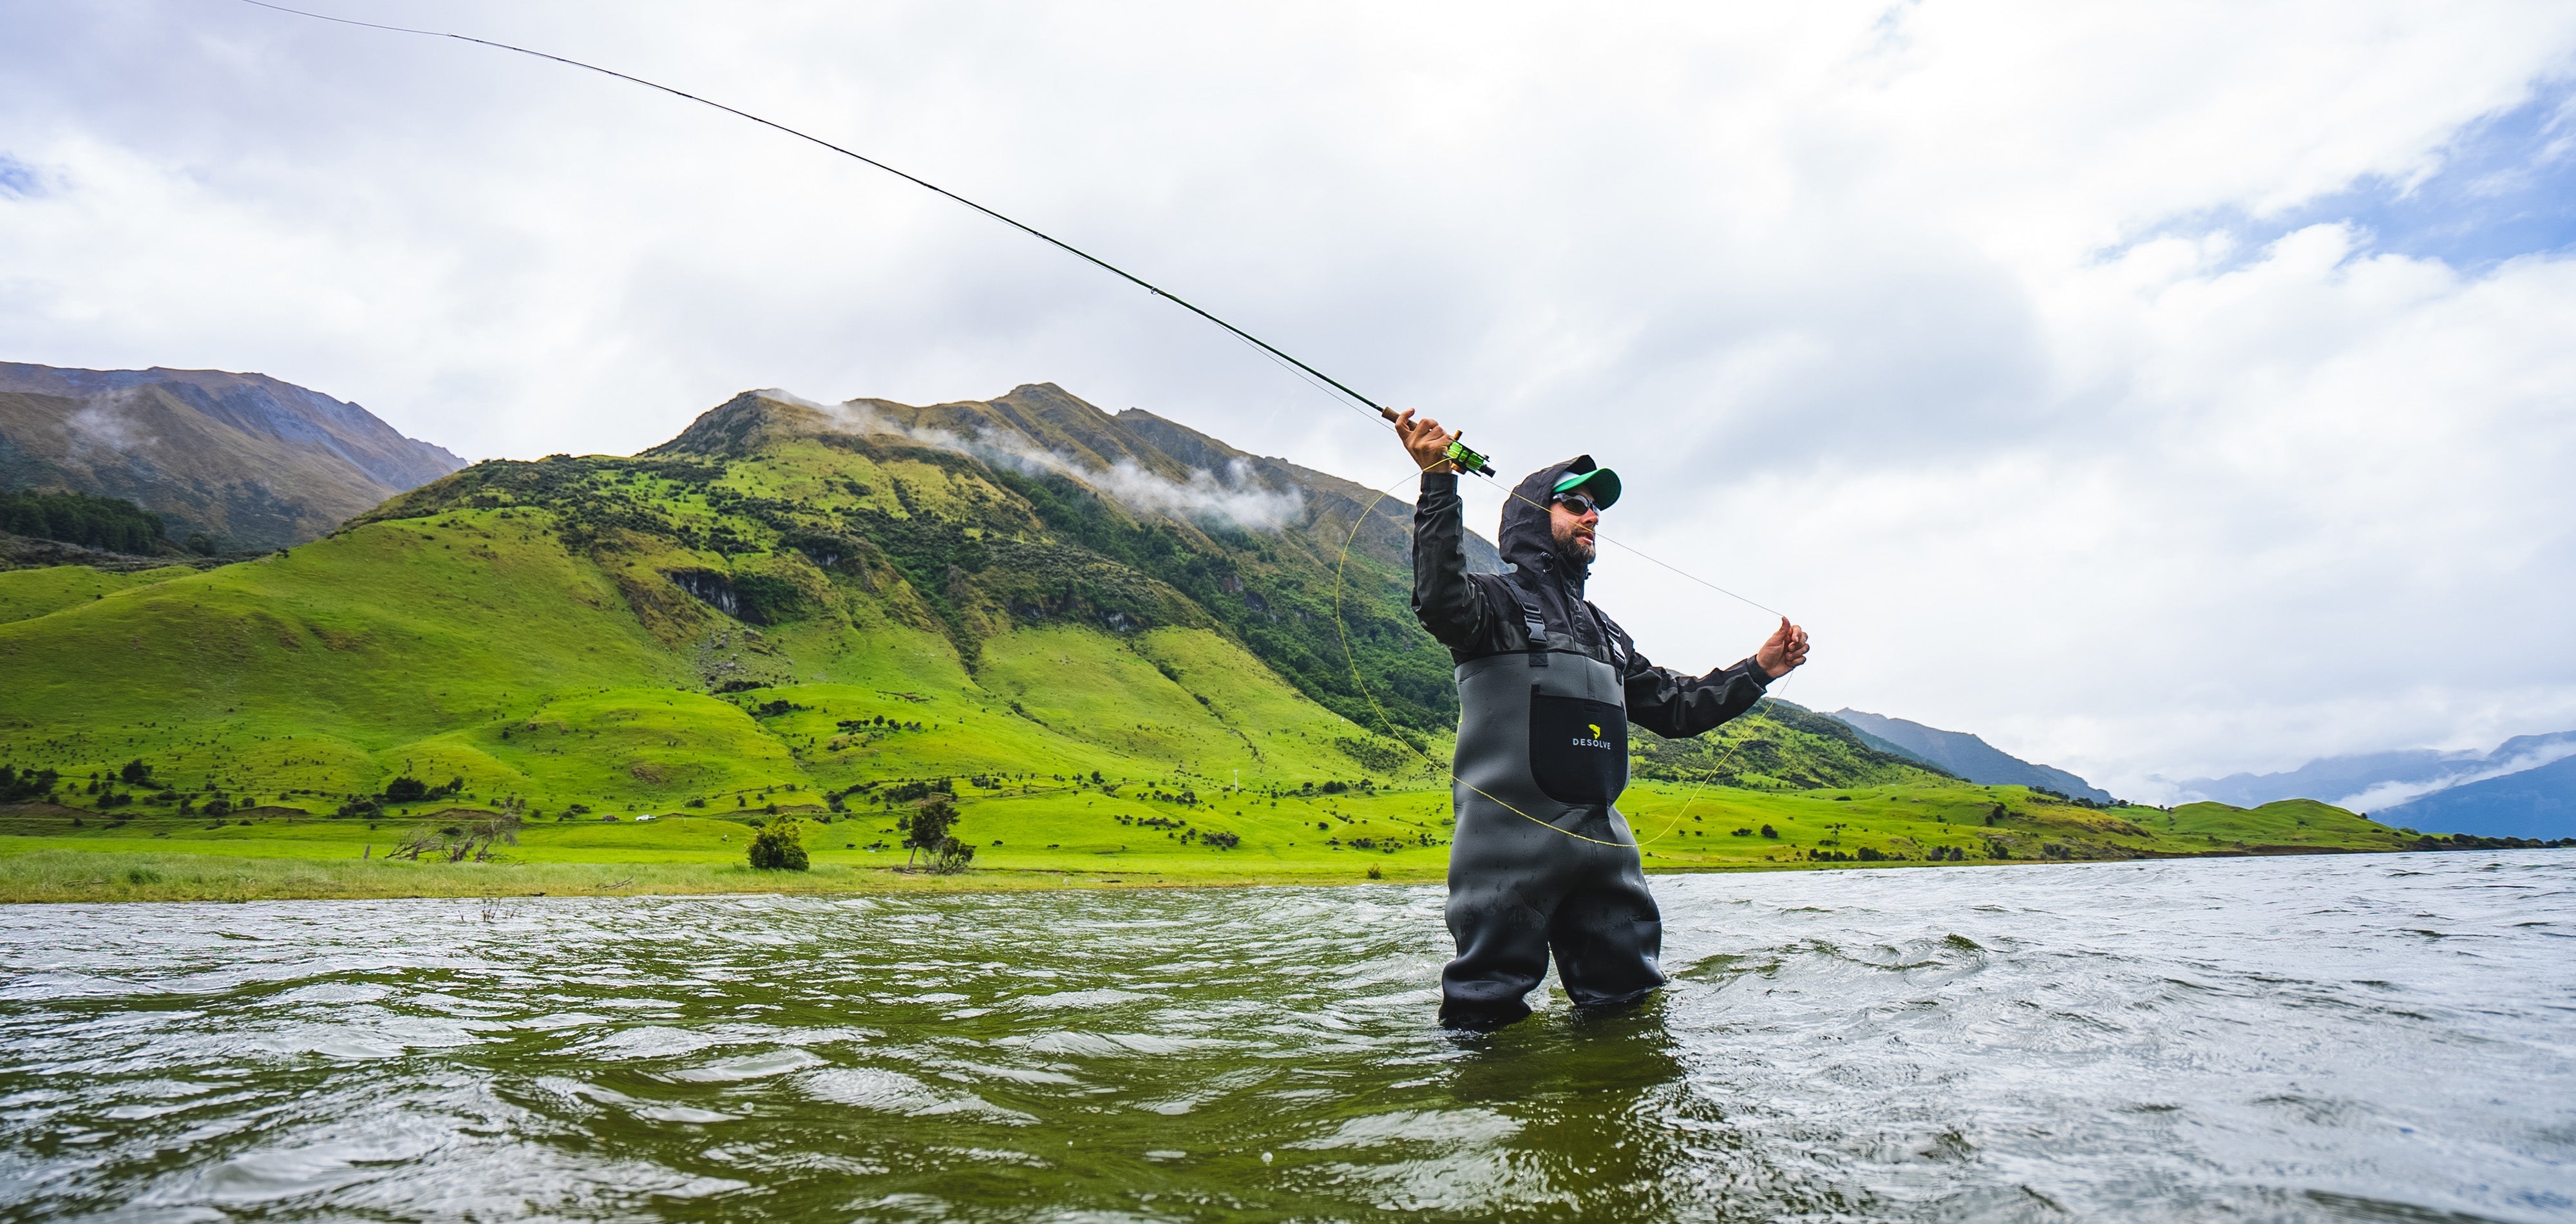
{"x":2162,"y":390}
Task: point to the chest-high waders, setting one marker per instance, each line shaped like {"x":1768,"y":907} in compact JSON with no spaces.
{"x":1544,"y":732}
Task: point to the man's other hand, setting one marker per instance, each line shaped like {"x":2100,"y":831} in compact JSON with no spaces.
{"x":1426,"y":442}
{"x":1786,"y":650}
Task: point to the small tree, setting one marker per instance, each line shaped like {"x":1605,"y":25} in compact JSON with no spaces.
{"x":927,"y":827}
{"x":779,"y":847}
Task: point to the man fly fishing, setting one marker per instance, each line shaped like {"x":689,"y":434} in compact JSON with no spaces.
{"x":1541,"y":861}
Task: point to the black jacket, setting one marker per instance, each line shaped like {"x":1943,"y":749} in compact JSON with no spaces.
{"x":1475,"y":615}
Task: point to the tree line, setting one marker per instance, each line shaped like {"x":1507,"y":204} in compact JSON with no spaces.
{"x":111,"y":523}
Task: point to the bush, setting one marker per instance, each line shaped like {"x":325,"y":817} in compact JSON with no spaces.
{"x":16,"y":787}
{"x":779,"y":847}
{"x":1769,"y":832}
{"x":406,"y":790}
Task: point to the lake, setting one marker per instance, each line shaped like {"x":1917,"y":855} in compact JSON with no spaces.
{"x":2379,"y":1037}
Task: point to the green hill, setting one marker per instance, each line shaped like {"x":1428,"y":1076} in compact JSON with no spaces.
{"x":784,"y":596}
{"x":1107,"y":635}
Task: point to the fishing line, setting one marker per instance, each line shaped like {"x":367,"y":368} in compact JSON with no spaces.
{"x":1462,"y":458}
{"x":1314,"y":377}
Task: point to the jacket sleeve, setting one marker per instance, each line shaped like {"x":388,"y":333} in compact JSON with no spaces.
{"x":1676,"y":706}
{"x":1456,"y":610}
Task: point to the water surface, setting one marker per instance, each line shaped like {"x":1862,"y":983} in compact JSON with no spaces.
{"x":2387,"y":1037}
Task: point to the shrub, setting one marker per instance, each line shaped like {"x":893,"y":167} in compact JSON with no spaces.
{"x":779,"y":847}
{"x":135,"y":773}
{"x":406,"y":790}
{"x":16,"y":787}
{"x":1769,"y":832}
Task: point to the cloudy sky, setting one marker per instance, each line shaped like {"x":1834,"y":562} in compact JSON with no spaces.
{"x":2165,"y":390}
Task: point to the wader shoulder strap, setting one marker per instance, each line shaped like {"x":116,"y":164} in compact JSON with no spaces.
{"x":1611,"y":635}
{"x":1534,"y":623}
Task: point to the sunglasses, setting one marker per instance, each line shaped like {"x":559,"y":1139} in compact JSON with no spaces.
{"x":1578,"y":503}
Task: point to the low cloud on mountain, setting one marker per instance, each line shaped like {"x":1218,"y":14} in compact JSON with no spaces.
{"x":1235,"y":498}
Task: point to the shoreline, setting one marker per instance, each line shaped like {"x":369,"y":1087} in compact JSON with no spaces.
{"x":54,"y":876}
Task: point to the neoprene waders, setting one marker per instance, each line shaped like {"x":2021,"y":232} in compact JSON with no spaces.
{"x":1541,"y":862}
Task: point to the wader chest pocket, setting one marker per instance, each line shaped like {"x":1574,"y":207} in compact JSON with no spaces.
{"x":1578,"y":748}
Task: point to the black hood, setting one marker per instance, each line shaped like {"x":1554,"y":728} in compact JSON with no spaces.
{"x":1525,"y":540}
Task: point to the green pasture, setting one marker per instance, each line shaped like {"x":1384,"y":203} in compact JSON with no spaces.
{"x":1047,"y":834}
{"x":29,"y":593}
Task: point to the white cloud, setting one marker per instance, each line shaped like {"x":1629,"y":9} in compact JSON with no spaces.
{"x":1237,"y":497}
{"x":1927,"y":323}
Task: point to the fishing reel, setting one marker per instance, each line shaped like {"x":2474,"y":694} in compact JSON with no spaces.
{"x":1467,"y":460}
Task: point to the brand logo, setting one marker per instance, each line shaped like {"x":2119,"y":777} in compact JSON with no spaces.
{"x":1596,"y":729}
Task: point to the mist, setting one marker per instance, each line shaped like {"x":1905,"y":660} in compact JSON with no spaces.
{"x":1237,"y":498}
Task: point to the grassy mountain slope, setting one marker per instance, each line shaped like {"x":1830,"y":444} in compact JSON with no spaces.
{"x":35,"y":592}
{"x":1780,"y":746}
{"x":712,"y":620}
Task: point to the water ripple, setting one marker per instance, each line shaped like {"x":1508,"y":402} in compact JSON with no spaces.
{"x":2349,"y":1038}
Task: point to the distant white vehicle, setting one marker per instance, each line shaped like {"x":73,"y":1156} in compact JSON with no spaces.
{"x":645,"y":816}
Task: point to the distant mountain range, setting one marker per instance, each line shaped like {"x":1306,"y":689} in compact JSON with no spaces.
{"x":2537,"y":803}
{"x":1964,"y":754}
{"x":2524,"y":787}
{"x":243,"y":459}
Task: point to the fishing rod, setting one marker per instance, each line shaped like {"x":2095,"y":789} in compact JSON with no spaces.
{"x":1467,"y":460}
{"x":1458,"y":453}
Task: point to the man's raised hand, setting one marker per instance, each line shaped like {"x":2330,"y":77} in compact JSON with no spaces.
{"x":1786,"y":650}
{"x":1426,"y":442}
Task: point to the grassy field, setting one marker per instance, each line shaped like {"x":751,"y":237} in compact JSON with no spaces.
{"x":1046,"y":834}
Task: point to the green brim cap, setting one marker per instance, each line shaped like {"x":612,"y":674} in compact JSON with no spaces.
{"x":1604,"y":485}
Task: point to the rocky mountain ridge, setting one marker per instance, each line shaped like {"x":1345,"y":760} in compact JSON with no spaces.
{"x":245,"y":460}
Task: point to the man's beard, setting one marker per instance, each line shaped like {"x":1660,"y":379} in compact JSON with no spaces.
{"x":1576,"y":552}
